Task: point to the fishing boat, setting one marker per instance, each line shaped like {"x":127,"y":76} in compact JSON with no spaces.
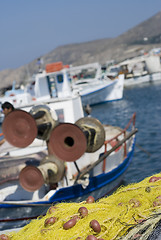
{"x":94,"y":86}
{"x":16,"y":95}
{"x":54,"y":153}
{"x":142,"y":69}
{"x":51,"y":86}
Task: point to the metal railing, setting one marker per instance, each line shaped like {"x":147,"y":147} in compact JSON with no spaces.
{"x":103,"y":157}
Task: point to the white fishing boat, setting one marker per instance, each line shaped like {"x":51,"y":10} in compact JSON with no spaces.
{"x":94,"y":86}
{"x":53,"y":153}
{"x":17,"y":96}
{"x":48,"y":87}
{"x":142,"y":69}
{"x":44,"y":86}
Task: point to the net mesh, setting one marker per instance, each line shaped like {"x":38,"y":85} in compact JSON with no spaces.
{"x":132,"y":212}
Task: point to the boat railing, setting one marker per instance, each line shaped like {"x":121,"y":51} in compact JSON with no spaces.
{"x":126,"y":135}
{"x":123,"y":133}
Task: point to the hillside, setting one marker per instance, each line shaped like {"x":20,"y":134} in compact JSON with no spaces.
{"x":144,"y":36}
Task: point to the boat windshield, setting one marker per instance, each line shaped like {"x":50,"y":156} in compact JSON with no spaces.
{"x":85,"y":74}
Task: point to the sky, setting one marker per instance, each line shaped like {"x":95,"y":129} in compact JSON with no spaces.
{"x":30,"y":29}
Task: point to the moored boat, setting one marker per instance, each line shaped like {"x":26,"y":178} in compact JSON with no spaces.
{"x":54,"y":153}
{"x":56,"y":83}
{"x":142,"y":69}
{"x":34,"y":182}
{"x":94,"y":86}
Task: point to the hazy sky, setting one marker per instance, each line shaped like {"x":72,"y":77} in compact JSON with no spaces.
{"x":32,"y":28}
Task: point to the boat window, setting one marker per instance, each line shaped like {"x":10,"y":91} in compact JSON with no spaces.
{"x":114,"y":70}
{"x":89,"y":73}
{"x":52,"y":86}
{"x":69,"y":78}
{"x":60,"y":78}
{"x":82,"y":82}
{"x":60,"y":114}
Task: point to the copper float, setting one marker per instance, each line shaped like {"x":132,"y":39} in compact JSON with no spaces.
{"x":31,"y":178}
{"x":67,"y":142}
{"x":19,"y":128}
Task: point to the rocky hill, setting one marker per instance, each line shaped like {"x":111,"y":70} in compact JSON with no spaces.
{"x":142,"y":37}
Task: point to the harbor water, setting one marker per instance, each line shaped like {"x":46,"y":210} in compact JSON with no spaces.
{"x":145,"y":100}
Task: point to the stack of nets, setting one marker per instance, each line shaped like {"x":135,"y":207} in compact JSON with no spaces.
{"x":132,"y":212}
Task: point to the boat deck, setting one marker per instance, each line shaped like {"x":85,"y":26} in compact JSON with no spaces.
{"x":112,"y":131}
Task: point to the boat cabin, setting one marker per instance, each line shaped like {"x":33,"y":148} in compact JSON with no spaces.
{"x":53,"y":88}
{"x":140,"y":66}
{"x":55,"y":84}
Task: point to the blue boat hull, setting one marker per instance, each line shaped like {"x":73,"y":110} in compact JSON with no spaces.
{"x":19,"y":214}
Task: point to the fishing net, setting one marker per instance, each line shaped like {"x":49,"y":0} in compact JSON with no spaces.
{"x":132,"y":212}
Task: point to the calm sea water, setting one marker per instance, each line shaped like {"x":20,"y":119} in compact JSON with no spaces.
{"x":145,"y":100}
